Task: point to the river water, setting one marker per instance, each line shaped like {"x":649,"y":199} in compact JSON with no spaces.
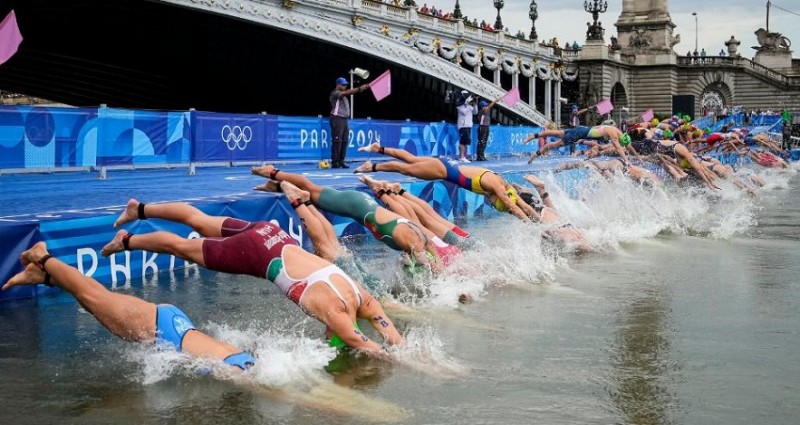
{"x":687,"y":314}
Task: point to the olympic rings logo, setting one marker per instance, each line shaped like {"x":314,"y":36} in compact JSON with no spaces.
{"x":236,"y":137}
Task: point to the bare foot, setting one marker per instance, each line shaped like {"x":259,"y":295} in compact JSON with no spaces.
{"x":366,"y":167}
{"x":131,"y":213}
{"x":529,"y":138}
{"x":268,"y":186}
{"x":367,"y":180}
{"x":535,"y":181}
{"x":372,"y":147}
{"x":533,"y":156}
{"x":32,"y":275}
{"x":115,"y":245}
{"x":293,"y":192}
{"x":33,"y":254}
{"x":263,"y":170}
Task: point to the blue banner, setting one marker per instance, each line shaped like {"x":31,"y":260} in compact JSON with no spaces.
{"x":49,"y":138}
{"x":233,"y":137}
{"x":15,"y":238}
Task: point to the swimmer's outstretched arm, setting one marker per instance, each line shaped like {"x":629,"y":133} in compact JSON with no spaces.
{"x":539,"y":185}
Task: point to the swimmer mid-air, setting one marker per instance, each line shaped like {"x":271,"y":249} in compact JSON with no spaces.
{"x":262,"y":249}
{"x":501,"y":195}
{"x":128,"y":317}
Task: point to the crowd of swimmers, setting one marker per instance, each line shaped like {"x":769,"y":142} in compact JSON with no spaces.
{"x":331,"y":284}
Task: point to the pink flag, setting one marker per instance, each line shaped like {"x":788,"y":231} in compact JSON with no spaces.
{"x":382,"y":86}
{"x":10,"y":37}
{"x":647,"y":115}
{"x":604,"y":107}
{"x":511,"y":98}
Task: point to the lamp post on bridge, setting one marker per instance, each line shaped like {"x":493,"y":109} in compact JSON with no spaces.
{"x":595,"y":7}
{"x":498,"y":23}
{"x":533,"y":14}
{"x":695,"y":32}
{"x":457,"y":11}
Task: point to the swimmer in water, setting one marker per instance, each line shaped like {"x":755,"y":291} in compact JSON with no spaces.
{"x":565,"y":232}
{"x":607,"y":169}
{"x":397,"y":232}
{"x":128,"y":317}
{"x":501,"y":195}
{"x":323,"y":236}
{"x":580,"y":134}
{"x":406,"y":204}
{"x":262,"y":249}
{"x":670,"y":154}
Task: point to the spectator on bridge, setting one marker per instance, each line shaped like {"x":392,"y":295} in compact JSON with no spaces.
{"x":703,"y":53}
{"x":575,"y":45}
{"x":484,"y":120}
{"x":340,"y":113}
{"x":722,"y":52}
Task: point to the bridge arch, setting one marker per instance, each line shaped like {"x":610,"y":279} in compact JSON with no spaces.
{"x":619,"y":96}
{"x":715,"y":96}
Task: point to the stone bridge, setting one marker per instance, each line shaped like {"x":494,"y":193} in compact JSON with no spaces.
{"x":279,"y":56}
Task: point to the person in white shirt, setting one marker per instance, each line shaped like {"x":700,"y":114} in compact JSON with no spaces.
{"x":464,"y":124}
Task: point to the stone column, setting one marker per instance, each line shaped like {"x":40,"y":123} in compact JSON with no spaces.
{"x":628,"y":6}
{"x":532,"y":90}
{"x":548,"y":99}
{"x":557,"y":103}
{"x":497,"y":74}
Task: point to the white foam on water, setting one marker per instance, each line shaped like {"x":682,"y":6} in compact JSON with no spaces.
{"x":424,"y":351}
{"x":282,"y":359}
{"x":609,"y":212}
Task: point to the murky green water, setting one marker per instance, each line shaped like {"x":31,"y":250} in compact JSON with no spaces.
{"x":670,"y":329}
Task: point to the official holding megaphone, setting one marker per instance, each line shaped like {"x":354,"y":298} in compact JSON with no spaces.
{"x":340,"y":113}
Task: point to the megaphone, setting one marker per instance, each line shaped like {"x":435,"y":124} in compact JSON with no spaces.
{"x":360,"y":73}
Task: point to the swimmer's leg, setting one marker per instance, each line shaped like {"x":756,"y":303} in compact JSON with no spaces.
{"x":298,"y":180}
{"x":433,"y":170}
{"x":319,"y":229}
{"x":127,"y":317}
{"x":159,"y":242}
{"x":179,"y":212}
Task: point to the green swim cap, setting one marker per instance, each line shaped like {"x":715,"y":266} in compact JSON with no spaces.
{"x":668,"y":134}
{"x":337,"y":342}
{"x":625,"y":140}
{"x":415,"y":268}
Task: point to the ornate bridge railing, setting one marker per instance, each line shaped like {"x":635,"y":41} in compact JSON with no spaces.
{"x":744,"y":63}
{"x":451,"y":50}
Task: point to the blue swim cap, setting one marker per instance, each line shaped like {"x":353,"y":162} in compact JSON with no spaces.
{"x":482,"y":104}
{"x":341,"y":81}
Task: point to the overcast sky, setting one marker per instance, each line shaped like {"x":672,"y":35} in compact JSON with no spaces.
{"x":717,"y":20}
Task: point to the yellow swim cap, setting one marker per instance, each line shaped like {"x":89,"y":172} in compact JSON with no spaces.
{"x":499,"y":205}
